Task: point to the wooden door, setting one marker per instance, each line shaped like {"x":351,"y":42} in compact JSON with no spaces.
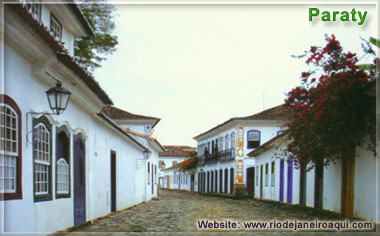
{"x":261,"y":181}
{"x":221,"y":181}
{"x":113,"y":181}
{"x":289,"y":196}
{"x":281,"y":180}
{"x":226,"y":180}
{"x":216,"y":181}
{"x":250,"y":181}
{"x":232,"y":179}
{"x":79,"y":181}
{"x":192,"y":183}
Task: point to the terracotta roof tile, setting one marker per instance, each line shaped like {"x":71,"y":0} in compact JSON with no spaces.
{"x":119,"y":114}
{"x":176,"y":151}
{"x":182,"y":165}
{"x":275,"y":113}
{"x":143,"y":136}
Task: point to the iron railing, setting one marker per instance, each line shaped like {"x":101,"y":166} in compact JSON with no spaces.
{"x":209,"y":158}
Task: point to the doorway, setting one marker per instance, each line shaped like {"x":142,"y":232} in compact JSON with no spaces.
{"x":79,"y":181}
{"x":281,"y":180}
{"x":289,"y":196}
{"x":261,"y":181}
{"x":113,"y":181}
{"x":251,"y":181}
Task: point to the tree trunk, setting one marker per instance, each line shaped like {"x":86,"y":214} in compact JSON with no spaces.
{"x":348,"y":180}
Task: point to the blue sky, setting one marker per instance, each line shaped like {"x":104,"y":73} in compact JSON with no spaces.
{"x":196,"y":66}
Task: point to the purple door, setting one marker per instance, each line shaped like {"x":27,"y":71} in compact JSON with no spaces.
{"x":79,"y":181}
{"x":290,"y":180}
{"x":281,"y":180}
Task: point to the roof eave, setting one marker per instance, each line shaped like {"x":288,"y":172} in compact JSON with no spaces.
{"x":112,"y":123}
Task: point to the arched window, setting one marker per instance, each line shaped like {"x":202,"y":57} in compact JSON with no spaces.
{"x":10,"y":149}
{"x":42,"y":159}
{"x":62,"y":176}
{"x":63,"y":162}
{"x":253,"y":139}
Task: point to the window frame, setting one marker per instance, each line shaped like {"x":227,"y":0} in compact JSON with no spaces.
{"x":266,"y":174}
{"x":232,"y":140}
{"x":29,"y":5}
{"x":48,"y":196}
{"x":53,"y":18}
{"x":273,"y":172}
{"x":248,"y":141}
{"x":68,"y":161}
{"x":148,"y":173}
{"x":8,"y":101}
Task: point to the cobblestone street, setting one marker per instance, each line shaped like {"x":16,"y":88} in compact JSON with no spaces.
{"x":179,"y":211}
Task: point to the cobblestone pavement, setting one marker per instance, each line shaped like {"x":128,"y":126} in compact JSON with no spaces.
{"x":177,"y":211}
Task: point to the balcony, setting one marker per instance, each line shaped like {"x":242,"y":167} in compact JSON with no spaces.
{"x":209,"y":158}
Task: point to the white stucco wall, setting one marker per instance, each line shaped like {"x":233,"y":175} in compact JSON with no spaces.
{"x":332,"y":185}
{"x":365,"y":184}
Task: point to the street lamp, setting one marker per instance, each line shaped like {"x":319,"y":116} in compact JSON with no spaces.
{"x":147,"y":153}
{"x":58,"y":98}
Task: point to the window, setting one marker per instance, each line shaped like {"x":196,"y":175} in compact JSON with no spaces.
{"x":221,"y":144}
{"x":161,"y":164}
{"x":34,"y":9}
{"x":233,"y":140}
{"x":62,"y":177}
{"x":148,"y":172}
{"x":42,"y":159}
{"x":227,"y":142}
{"x":155,"y":174}
{"x":253,"y":139}
{"x":266,"y":174}
{"x":55,"y":28}
{"x":174,"y":163}
{"x":63,"y":163}
{"x":272,"y":173}
{"x":10,"y":149}
{"x":257,"y":176}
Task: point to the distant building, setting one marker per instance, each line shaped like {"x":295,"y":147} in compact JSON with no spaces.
{"x":173,"y":155}
{"x":140,"y":128}
{"x":222,"y":150}
{"x":180,"y":176}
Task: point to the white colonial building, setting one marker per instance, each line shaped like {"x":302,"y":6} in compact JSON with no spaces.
{"x":179,"y":176}
{"x":60,"y":170}
{"x":222,"y":150}
{"x":173,"y":155}
{"x":276,"y":178}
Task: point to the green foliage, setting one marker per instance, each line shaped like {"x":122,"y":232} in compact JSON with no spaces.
{"x":90,"y":52}
{"x":333,"y":111}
